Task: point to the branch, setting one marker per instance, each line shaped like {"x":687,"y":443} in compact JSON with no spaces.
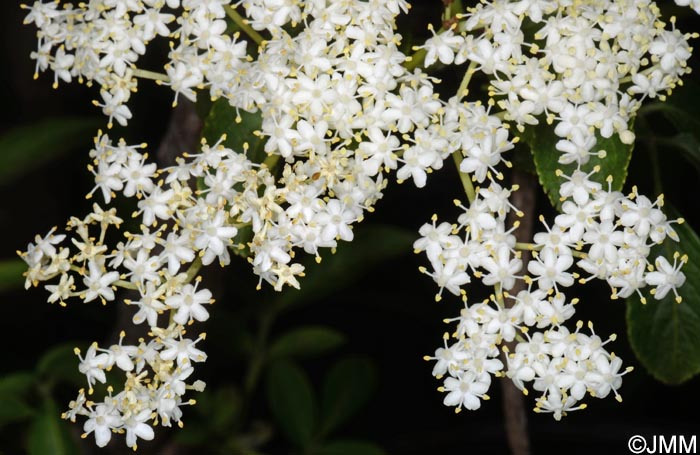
{"x":513,"y":399}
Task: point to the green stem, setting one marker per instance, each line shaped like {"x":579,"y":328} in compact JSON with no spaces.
{"x":257,"y":361}
{"x":462,"y":91}
{"x":271,"y":161}
{"x":627,"y":79}
{"x":259,"y":357}
{"x":415,"y":60}
{"x":523,"y":246}
{"x":193,"y":270}
{"x":527,"y":246}
{"x":125,"y":285}
{"x":466,"y":180}
{"x":243,"y":24}
{"x":152,"y":75}
{"x":498,"y":290}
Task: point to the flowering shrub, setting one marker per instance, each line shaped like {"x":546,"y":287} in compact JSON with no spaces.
{"x":339,"y":111}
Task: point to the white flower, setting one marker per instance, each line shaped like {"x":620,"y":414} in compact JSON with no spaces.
{"x":450,"y":276}
{"x":182,"y":350}
{"x":102,"y":420}
{"x":188,"y":303}
{"x":99,"y":283}
{"x":671,"y":47}
{"x":335,"y":219}
{"x":136,"y":427}
{"x":501,"y":268}
{"x":442,"y":46}
{"x":434,"y":239}
{"x":466,"y":390}
{"x":486,"y":154}
{"x":213,"y":239}
{"x":667,"y":277}
{"x":177,"y":250}
{"x":93,"y":365}
{"x":143,"y":268}
{"x":449,"y":358}
{"x":137,"y":176}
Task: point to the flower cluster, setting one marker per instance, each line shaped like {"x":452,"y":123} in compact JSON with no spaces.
{"x":339,"y":110}
{"x":585,"y":69}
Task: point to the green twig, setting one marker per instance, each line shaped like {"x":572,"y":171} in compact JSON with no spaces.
{"x":415,"y":60}
{"x":243,"y":24}
{"x":152,"y":75}
{"x":463,"y":90}
{"x":466,"y":180}
{"x":271,"y":161}
{"x":193,"y":270}
{"x":523,"y":246}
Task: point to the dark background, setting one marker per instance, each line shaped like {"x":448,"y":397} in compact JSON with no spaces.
{"x":390,"y":317}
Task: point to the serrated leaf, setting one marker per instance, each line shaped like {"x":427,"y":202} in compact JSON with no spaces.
{"x":350,"y":447}
{"x":346,"y":389}
{"x":60,"y":363}
{"x":306,"y":342}
{"x":222,"y":119}
{"x":27,"y":147}
{"x":543,"y":147}
{"x":373,"y":244}
{"x":291,"y":400}
{"x":48,"y":434}
{"x":665,"y":335}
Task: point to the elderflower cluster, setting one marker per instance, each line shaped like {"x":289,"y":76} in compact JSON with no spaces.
{"x":585,"y":68}
{"x":338,"y":111}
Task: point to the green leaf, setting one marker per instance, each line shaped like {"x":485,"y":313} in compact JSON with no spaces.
{"x":615,"y":163}
{"x":306,"y":342}
{"x":291,"y":400}
{"x":243,"y":237}
{"x":682,"y":111}
{"x":11,"y":271}
{"x":27,"y":147}
{"x":350,"y":447}
{"x":17,"y":383}
{"x":687,"y":143}
{"x":373,"y":244}
{"x":238,"y":126}
{"x":346,"y":389}
{"x":60,"y":363}
{"x":681,"y":108}
{"x":13,"y":409}
{"x":226,"y":409}
{"x":14,"y":389}
{"x":48,"y":434}
{"x":665,"y":335}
